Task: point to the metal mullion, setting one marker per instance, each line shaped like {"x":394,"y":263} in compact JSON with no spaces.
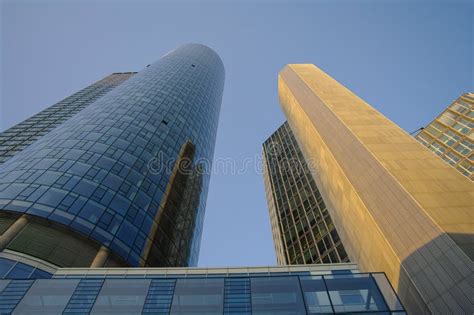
{"x":277,"y":211}
{"x":288,"y":136}
{"x":278,"y":136}
{"x":329,"y":295}
{"x":308,"y":180}
{"x":302,"y":294}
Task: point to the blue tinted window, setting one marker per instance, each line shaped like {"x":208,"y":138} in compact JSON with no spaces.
{"x":68,"y":201}
{"x":47,"y":296}
{"x":114,"y":225}
{"x":277,"y":295}
{"x":37,"y":193}
{"x":92,"y":211}
{"x":120,"y":204}
{"x":198,"y":296}
{"x":3,"y":284}
{"x":40,"y":274}
{"x":48,"y":178}
{"x":20,"y":271}
{"x":71,"y":183}
{"x":40,"y":210}
{"x":5,"y":266}
{"x":315,"y":295}
{"x":121,"y":296}
{"x":351,"y":297}
{"x":127,"y":233}
{"x":82,"y":225}
{"x":53,"y":197}
{"x":354,"y":293}
{"x":112,"y":181}
{"x":85,"y":188}
{"x":61,"y":217}
{"x":341,"y":271}
{"x":77,"y":205}
{"x":79,"y":169}
{"x":389,"y":296}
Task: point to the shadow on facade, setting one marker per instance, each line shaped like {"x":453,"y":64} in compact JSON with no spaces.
{"x":436,"y":281}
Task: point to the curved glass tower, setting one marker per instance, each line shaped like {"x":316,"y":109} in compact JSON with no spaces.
{"x":124,"y":181}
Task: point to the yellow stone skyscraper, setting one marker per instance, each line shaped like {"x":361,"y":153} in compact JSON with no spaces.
{"x":397,"y":207}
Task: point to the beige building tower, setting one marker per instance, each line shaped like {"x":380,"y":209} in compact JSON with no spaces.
{"x":397,"y":207}
{"x":450,"y":135}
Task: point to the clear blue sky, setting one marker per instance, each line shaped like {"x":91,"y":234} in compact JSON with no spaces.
{"x":409,"y":59}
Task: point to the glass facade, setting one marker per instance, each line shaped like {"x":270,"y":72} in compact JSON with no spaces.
{"x":20,"y":136}
{"x":121,"y":296}
{"x":303,"y":231}
{"x":107,"y":173}
{"x":11,"y":269}
{"x":451,"y":135}
{"x":201,"y":296}
{"x":332,"y":289}
{"x":46,"y":296}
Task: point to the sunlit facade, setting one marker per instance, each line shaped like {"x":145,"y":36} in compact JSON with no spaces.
{"x":398,"y":208}
{"x":451,"y":135}
{"x":109,"y":186}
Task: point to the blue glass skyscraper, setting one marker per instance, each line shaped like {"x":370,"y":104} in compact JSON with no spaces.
{"x":124,"y":181}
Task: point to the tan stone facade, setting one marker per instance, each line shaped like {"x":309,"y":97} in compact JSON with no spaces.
{"x":397,"y":206}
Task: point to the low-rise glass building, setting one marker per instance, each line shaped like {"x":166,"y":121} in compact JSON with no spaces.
{"x":33,"y":287}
